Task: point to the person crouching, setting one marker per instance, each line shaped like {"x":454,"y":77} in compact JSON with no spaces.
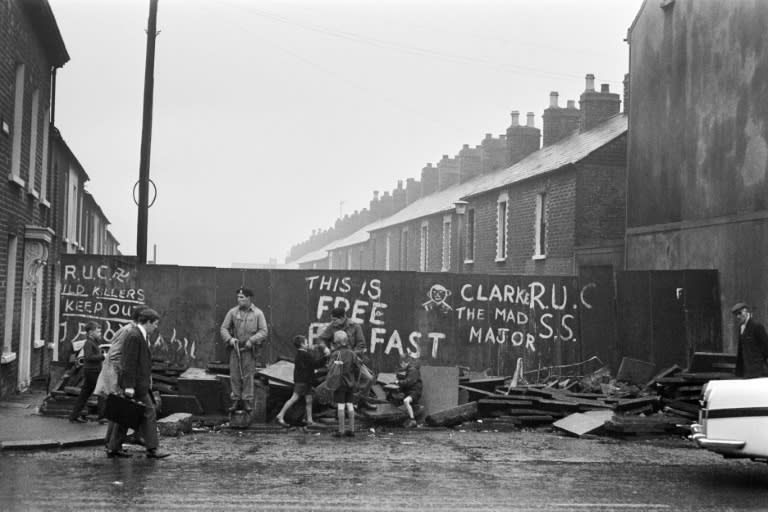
{"x":343,"y":395}
{"x":409,"y":380}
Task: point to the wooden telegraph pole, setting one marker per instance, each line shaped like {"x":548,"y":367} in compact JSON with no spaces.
{"x":146,"y":136}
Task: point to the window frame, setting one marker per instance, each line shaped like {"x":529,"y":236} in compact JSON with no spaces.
{"x":502,"y":226}
{"x":424,"y":246}
{"x":447,"y":236}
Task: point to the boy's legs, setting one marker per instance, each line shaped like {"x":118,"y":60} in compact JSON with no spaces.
{"x":351,"y":414}
{"x":294,"y":398}
{"x":308,"y":400}
{"x":408,"y":407}
{"x":340,"y":416}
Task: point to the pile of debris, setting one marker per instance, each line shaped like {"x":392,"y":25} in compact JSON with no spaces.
{"x":66,"y":380}
{"x":633,"y":403}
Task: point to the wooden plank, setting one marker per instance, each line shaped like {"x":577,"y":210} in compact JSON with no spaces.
{"x":665,"y":373}
{"x":440,"y":388}
{"x":582,"y":423}
{"x":503,"y":402}
{"x":281,"y":371}
{"x":635,"y":371}
{"x":453,"y":416}
{"x":633,"y":403}
{"x":180,"y":403}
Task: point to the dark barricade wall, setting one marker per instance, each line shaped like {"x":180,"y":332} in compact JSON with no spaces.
{"x":478,"y":321}
{"x":469,"y":320}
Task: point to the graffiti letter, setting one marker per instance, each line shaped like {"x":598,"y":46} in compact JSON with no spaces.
{"x":322,"y":306}
{"x":475,"y":333}
{"x":543,"y":320}
{"x":374,"y":292}
{"x":376,"y":313}
{"x":394,"y":342}
{"x":376,"y":338}
{"x":413,"y":340}
{"x":464,"y":295}
{"x":345,"y":285}
{"x":314,"y":331}
{"x":529,"y":342}
{"x":341,"y":302}
{"x":100,"y":274}
{"x":567,"y":328}
{"x":516,"y":338}
{"x":537,"y":294}
{"x":358,"y":310}
{"x":583,"y":298}
{"x":495,"y":293}
{"x":311,"y":280}
{"x":554,"y":298}
{"x":435,"y":337}
{"x":69,"y":271}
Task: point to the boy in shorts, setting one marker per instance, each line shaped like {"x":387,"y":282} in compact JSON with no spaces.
{"x":303,"y":374}
{"x":344,"y":393}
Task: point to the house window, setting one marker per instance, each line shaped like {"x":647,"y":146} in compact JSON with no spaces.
{"x":387,"y":250}
{"x":501,"y":226}
{"x":470,"y":235}
{"x":44,"y":167}
{"x":72,"y":202}
{"x":540,"y":229}
{"x":330,"y":260}
{"x":18,"y":123}
{"x":33,"y":130}
{"x":404,"y":249}
{"x":446,"y":243}
{"x":361,"y":256}
{"x":10,"y":295}
{"x":349,"y":259}
{"x":424,"y":249}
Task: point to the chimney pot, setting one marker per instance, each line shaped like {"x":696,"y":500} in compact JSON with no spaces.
{"x":530,"y":121}
{"x":605,"y":88}
{"x":488,"y":136}
{"x":399,"y":184}
{"x":375,"y":194}
{"x":553,"y":99}
{"x":590,"y":82}
{"x":465,"y":146}
{"x":515,"y":118}
{"x":571,"y":103}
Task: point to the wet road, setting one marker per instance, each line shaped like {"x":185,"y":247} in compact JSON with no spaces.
{"x":395,"y":470}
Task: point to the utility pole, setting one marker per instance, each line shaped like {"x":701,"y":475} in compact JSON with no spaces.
{"x":146,"y":136}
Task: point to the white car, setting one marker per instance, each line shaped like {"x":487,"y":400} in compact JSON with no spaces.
{"x":733,"y":419}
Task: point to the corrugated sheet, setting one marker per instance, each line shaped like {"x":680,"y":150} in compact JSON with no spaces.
{"x":551,"y":158}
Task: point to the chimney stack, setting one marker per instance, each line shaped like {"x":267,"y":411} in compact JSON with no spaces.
{"x":429,"y":180}
{"x":448,"y":172}
{"x":597,"y":107}
{"x":493,"y":154}
{"x":398,"y":197}
{"x":521,"y":140}
{"x":470,"y":163}
{"x":374,"y":206}
{"x":385,"y":205}
{"x":412,"y":190}
{"x":559,"y":122}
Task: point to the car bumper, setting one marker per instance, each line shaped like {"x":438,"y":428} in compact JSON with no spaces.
{"x":716,"y":445}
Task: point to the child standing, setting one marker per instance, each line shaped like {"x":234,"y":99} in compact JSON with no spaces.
{"x":303,"y":374}
{"x":409,"y":380}
{"x":344,"y":393}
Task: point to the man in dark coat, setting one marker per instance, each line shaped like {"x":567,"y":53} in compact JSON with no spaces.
{"x":135,"y":378}
{"x":753,"y":344}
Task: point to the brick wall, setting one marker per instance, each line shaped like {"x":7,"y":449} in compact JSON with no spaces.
{"x":19,"y":44}
{"x":560,"y":189}
{"x":601,"y":195}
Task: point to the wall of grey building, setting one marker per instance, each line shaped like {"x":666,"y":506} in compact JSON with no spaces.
{"x":697,"y":191}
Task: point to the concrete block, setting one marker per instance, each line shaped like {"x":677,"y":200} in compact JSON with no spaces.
{"x":175,"y":424}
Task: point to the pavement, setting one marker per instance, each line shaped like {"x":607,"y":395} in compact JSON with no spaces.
{"x":22,"y":427}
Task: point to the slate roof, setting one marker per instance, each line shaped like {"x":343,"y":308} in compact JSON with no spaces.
{"x":548,"y":159}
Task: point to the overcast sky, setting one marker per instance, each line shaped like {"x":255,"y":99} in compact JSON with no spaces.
{"x":271,"y":117}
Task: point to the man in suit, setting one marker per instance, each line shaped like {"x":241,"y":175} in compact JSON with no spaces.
{"x":136,"y":381}
{"x":753,"y":344}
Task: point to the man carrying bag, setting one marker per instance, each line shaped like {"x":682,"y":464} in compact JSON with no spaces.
{"x":135,"y":378}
